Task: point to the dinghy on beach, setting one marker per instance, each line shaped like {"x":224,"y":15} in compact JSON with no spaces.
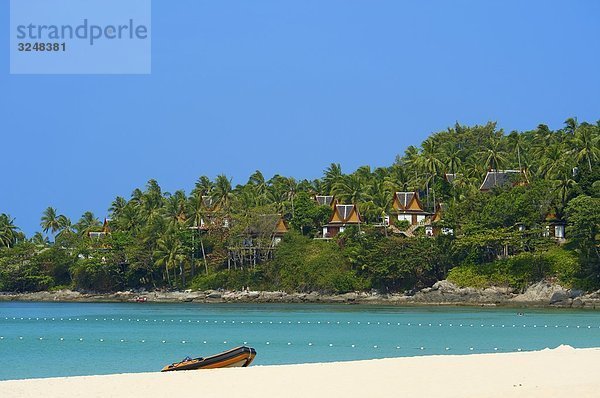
{"x":236,"y":357}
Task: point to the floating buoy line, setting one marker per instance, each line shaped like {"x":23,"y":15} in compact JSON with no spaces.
{"x":287,"y":322}
{"x":268,"y":343}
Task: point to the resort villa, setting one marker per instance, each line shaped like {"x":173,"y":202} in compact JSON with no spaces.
{"x":407,"y":206}
{"x":343,"y":216}
{"x":499,"y":178}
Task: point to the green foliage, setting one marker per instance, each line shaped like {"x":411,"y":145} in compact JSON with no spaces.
{"x":302,"y":264}
{"x":396,"y":263}
{"x":520,"y":271}
{"x":156,"y":239}
{"x":94,"y":274}
{"x":584,"y":229}
{"x":308,"y":215}
{"x":18,"y":273}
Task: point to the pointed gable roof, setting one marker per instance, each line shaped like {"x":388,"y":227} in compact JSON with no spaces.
{"x":407,"y":202}
{"x":105,"y":226}
{"x":496,"y":178}
{"x":345,"y":214}
{"x":439,"y":212}
{"x":268,"y":224}
{"x":325,"y":200}
{"x":404,"y":199}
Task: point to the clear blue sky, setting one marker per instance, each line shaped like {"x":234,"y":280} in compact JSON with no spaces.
{"x":288,"y":87}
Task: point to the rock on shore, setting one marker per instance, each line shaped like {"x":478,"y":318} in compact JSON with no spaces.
{"x":542,"y":294}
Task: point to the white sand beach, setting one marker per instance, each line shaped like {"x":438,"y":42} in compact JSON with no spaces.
{"x":547,"y":373}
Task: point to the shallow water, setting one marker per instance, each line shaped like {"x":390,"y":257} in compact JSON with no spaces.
{"x":65,"y":339}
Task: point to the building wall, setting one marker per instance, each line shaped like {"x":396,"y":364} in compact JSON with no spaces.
{"x":413,"y":219}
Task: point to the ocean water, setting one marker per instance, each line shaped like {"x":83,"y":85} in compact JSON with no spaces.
{"x":65,"y":339}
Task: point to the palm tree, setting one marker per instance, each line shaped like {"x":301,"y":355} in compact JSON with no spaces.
{"x":66,"y":227}
{"x":117,"y":206}
{"x":332,"y":175}
{"x":8,"y":231}
{"x":351,"y":189}
{"x":137,"y":197}
{"x":586,"y":144}
{"x":452,"y":157}
{"x":87,"y":223}
{"x":222,"y":193}
{"x":396,"y":180}
{"x":432,"y":157}
{"x":130,"y":218}
{"x":203,"y":186}
{"x":169,"y":253}
{"x":415,"y":165}
{"x":553,"y":161}
{"x":571,"y":125}
{"x":517,"y":142}
{"x":195,"y":209}
{"x":493,"y":155}
{"x":257,"y":181}
{"x":291,"y":187}
{"x":563,"y":185}
{"x":39,"y":240}
{"x":50,"y":220}
{"x":175,"y":209}
{"x":152,"y":201}
{"x":381,"y":199}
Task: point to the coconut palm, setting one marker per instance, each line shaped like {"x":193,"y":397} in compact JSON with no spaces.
{"x":202,"y":187}
{"x":517,"y":143}
{"x":129,"y":218}
{"x":332,"y":175}
{"x":432,"y":157}
{"x":117,"y":206}
{"x":493,"y":156}
{"x":291,"y":187}
{"x":586,"y":143}
{"x":39,"y":240}
{"x":50,"y":220}
{"x":175,"y":209}
{"x":257,"y":181}
{"x":571,"y":125}
{"x":451,"y":157}
{"x":563,"y":185}
{"x":87,"y":223}
{"x":8,"y":231}
{"x":553,"y":161}
{"x":152,"y":201}
{"x":381,"y":199}
{"x":195,"y":209}
{"x":222,"y":193}
{"x":66,"y":227}
{"x":169,"y":253}
{"x":396,"y":180}
{"x":351,"y":189}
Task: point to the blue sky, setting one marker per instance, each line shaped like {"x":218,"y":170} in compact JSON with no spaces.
{"x":288,"y":87}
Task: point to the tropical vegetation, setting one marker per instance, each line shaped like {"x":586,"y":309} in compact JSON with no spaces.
{"x":155,"y":239}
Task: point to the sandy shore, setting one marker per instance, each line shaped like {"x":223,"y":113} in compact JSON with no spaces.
{"x":549,"y":373}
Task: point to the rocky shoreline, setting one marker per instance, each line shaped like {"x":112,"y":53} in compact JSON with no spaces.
{"x":541,"y":294}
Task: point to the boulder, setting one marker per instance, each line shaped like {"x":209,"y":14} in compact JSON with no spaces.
{"x":574,"y":293}
{"x":577,"y":303}
{"x":559,"y":297}
{"x":543,"y":293}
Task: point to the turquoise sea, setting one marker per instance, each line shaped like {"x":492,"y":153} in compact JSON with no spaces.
{"x":64,"y":339}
